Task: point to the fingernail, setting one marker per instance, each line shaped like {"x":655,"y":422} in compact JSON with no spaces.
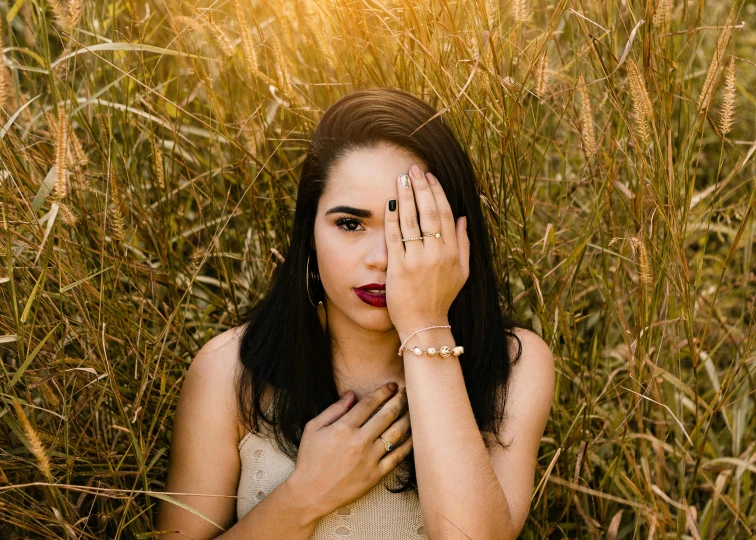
{"x":416,"y":172}
{"x":392,"y":205}
{"x":393,"y":386}
{"x":404,"y":180}
{"x":346,"y":396}
{"x":431,"y":178}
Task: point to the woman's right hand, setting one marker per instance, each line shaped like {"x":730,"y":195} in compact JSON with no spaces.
{"x":340,"y":459}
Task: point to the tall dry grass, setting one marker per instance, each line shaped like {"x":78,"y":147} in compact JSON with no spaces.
{"x":149,"y":157}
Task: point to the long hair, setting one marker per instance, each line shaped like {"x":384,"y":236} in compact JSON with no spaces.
{"x":284,"y":346}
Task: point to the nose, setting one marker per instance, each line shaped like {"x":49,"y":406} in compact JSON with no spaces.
{"x":377,"y":255}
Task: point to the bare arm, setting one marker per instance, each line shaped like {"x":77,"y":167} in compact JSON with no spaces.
{"x":486,"y":495}
{"x":205,"y":459}
{"x":281,"y":515}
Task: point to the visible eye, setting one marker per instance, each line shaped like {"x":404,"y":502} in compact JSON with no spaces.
{"x":348,"y":222}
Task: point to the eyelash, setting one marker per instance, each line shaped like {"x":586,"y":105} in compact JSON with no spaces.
{"x":343,"y":221}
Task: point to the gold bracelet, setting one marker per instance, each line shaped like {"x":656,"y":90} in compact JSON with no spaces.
{"x":444,"y":351}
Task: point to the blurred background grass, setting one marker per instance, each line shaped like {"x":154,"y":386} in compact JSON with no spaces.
{"x":149,"y":161}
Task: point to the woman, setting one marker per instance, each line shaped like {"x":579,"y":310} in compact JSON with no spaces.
{"x":291,"y":411}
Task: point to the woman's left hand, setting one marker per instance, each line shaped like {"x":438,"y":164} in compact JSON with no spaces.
{"x":423,"y":277}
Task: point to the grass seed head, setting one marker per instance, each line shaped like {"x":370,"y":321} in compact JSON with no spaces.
{"x":248,"y":47}
{"x":69,"y":216}
{"x":661,"y":13}
{"x":4,"y":79}
{"x":117,"y":223}
{"x":34,"y":443}
{"x":220,"y":37}
{"x":157,"y":155}
{"x":282,"y":72}
{"x":716,"y":60}
{"x":541,"y":81}
{"x":727,"y":118}
{"x":589,"y":138}
{"x":61,"y":154}
{"x":643,"y":112}
{"x":520,"y":10}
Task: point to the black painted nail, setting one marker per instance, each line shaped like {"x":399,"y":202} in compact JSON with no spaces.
{"x":392,"y":205}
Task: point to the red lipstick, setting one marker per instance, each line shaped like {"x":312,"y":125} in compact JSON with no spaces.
{"x":367,"y":293}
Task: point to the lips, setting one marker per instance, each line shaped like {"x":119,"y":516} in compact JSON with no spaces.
{"x":372,"y":287}
{"x":367,"y":294}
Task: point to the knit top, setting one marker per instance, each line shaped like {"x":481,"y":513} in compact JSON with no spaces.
{"x":377,"y":515}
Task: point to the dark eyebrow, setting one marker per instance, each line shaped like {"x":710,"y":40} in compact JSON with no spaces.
{"x":359,"y":212}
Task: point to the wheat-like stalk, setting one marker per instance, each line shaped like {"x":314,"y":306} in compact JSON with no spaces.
{"x":34,"y":443}
{"x":724,"y":38}
{"x":117,"y":223}
{"x":248,"y":47}
{"x":44,"y":388}
{"x":59,"y":10}
{"x":643,"y":111}
{"x":67,"y":12}
{"x":3,"y":79}
{"x":645,"y":274}
{"x":61,"y":154}
{"x":491,"y":13}
{"x":520,"y":10}
{"x":80,"y":155}
{"x":661,"y":13}
{"x":282,"y":72}
{"x":324,"y":43}
{"x":207,"y":85}
{"x":589,"y":138}
{"x":69,"y":216}
{"x":289,"y":22}
{"x":541,"y":80}
{"x":220,"y":37}
{"x":482,"y":45}
{"x":74,"y":14}
{"x":157,"y":155}
{"x":727,"y":118}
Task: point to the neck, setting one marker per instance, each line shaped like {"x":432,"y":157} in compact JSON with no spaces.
{"x":363,"y":359}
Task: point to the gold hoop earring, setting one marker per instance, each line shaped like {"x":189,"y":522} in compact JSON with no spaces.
{"x":322,"y":316}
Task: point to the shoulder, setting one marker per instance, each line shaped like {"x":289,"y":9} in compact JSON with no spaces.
{"x":218,"y":359}
{"x":214,"y":371}
{"x":532,"y":376}
{"x":534,"y":351}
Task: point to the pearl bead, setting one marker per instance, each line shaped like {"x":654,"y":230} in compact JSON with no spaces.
{"x":431,"y":351}
{"x":456,"y":351}
{"x":418,"y":351}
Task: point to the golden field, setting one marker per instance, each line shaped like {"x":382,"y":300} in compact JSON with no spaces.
{"x":149,"y":155}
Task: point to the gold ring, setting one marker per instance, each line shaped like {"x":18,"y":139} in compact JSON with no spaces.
{"x":389,"y":446}
{"x":437,"y":235}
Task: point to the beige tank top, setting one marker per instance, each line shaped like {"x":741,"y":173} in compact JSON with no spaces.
{"x":377,"y":515}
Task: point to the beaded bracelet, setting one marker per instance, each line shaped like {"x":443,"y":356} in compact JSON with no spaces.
{"x":431,"y":351}
{"x":444,"y":351}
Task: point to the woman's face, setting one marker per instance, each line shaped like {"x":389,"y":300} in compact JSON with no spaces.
{"x":350,"y":241}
